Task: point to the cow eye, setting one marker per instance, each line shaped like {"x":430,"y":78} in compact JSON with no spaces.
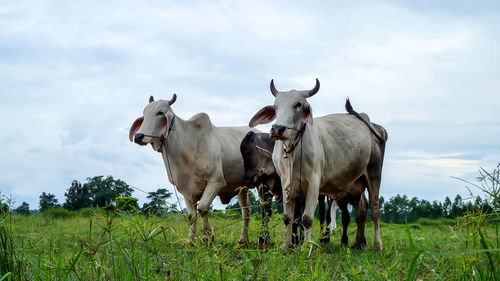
{"x":299,"y":104}
{"x":160,"y":113}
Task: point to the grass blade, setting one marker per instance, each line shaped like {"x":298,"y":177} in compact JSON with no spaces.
{"x":8,"y":274}
{"x":413,"y":266}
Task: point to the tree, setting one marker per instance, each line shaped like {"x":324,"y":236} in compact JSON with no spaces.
{"x":437,"y":210}
{"x":447,"y":207}
{"x":23,"y":209}
{"x":103,"y":191}
{"x":77,"y":196}
{"x":126,"y":204}
{"x":158,"y":202}
{"x":4,"y":207}
{"x":48,"y":201}
{"x":254,"y":204}
{"x":457,"y":208}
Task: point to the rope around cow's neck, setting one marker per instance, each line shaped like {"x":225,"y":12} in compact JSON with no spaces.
{"x":163,"y":148}
{"x":297,"y":139}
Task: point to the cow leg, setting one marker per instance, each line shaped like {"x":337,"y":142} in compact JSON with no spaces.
{"x":266,"y":199}
{"x":321,"y":213}
{"x":288,"y":209}
{"x":208,"y":196}
{"x":360,"y":221}
{"x":191,"y":208}
{"x":346,"y":218}
{"x":326,"y":236}
{"x":373,"y":193}
{"x":246,"y":210}
{"x":332,"y":215}
{"x":297,"y":227}
{"x":310,"y":207}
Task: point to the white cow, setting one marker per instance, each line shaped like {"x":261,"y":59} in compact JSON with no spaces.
{"x":202,"y":160}
{"x":337,"y":155}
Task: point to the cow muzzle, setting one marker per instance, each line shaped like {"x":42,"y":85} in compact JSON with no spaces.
{"x":277,"y":132}
{"x":139,"y":139}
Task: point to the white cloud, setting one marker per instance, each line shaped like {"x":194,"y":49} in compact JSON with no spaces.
{"x":75,"y":75}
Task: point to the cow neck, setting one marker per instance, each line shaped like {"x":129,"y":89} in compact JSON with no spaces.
{"x":171,"y":145}
{"x":296,"y":140}
{"x":291,"y":160}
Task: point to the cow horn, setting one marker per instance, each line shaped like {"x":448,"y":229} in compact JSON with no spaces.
{"x":174,"y":97}
{"x":151,"y":99}
{"x":273,"y":89}
{"x":314,"y":90}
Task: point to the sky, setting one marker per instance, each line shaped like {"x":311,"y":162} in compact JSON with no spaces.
{"x":74,"y":75}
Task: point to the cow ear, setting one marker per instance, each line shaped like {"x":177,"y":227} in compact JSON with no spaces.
{"x":168,"y":117}
{"x":307,"y":114}
{"x":264,"y":116}
{"x":135,"y":126}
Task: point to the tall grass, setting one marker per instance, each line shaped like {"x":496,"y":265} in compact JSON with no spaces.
{"x":109,"y":246}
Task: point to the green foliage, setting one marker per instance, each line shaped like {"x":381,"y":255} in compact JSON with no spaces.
{"x":23,"y":209}
{"x":103,"y":191}
{"x":158,"y":204}
{"x":91,"y":212}
{"x":77,"y":196}
{"x":126,"y":204}
{"x":438,"y":222}
{"x":111,"y":247}
{"x":57,"y":213}
{"x":4,"y":207}
{"x":48,"y":201}
{"x":254,"y":202}
{"x":397,"y":208}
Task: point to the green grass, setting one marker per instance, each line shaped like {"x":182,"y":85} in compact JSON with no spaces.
{"x":105,"y":247}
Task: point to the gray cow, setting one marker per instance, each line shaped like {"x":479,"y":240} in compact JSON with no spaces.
{"x":257,"y":150}
{"x":337,"y":155}
{"x":202,"y":160}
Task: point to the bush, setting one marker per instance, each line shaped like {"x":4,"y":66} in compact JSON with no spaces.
{"x":90,"y":212}
{"x":440,"y":221}
{"x":428,"y":222}
{"x":57,"y":213}
{"x":126,"y":204}
{"x":447,"y":221}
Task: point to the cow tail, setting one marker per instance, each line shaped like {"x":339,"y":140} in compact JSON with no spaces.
{"x":350,"y":110}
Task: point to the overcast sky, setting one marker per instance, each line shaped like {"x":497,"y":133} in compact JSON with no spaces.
{"x":74,"y":76}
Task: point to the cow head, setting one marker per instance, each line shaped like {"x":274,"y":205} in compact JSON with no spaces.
{"x":291,"y":110}
{"x":257,"y":157}
{"x":155,"y":123}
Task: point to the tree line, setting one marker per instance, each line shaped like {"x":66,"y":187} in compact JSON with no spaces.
{"x":103,"y":192}
{"x":397,"y":208}
{"x":100,"y":192}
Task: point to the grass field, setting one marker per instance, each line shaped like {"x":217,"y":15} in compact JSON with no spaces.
{"x":109,"y":247}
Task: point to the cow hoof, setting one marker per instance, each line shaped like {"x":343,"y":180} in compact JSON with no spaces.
{"x":264,"y":238}
{"x":378,"y":246}
{"x":243,"y":241}
{"x":344,"y":242}
{"x":208,"y":240}
{"x":265,"y":241}
{"x":325,"y":237}
{"x":189,"y":243}
{"x":286,"y":246}
{"x":324,"y":240}
{"x":358,"y":246}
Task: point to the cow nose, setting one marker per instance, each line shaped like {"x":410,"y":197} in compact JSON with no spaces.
{"x":277,"y":130}
{"x":138,"y":138}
